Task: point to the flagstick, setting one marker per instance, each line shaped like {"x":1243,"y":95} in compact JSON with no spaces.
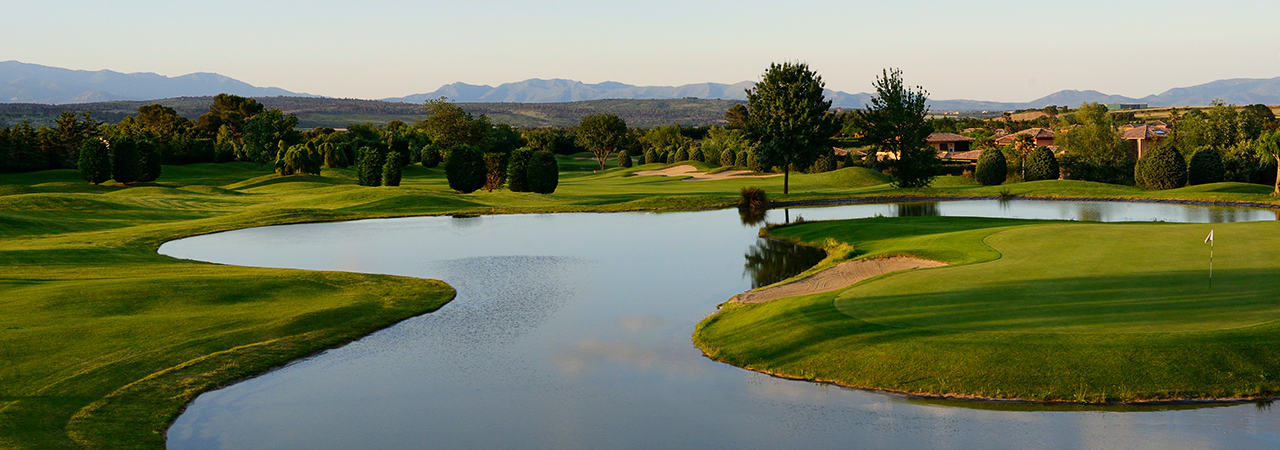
{"x":1211,"y":264}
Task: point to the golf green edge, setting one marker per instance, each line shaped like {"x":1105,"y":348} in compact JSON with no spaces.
{"x":1051,"y":311}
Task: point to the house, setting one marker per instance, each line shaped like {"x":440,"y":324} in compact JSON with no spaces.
{"x":948,"y":142}
{"x":1042,"y":136}
{"x":1142,"y":137}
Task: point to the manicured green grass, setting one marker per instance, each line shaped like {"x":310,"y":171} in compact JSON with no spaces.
{"x":102,"y":341}
{"x":1029,"y":310}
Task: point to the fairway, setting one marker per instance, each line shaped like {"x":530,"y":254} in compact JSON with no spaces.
{"x":1030,"y":310}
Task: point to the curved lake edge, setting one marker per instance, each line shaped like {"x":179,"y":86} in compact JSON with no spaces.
{"x":960,"y":399}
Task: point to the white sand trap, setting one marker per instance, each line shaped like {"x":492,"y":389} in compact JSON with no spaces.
{"x":838,"y":277}
{"x":685,"y":170}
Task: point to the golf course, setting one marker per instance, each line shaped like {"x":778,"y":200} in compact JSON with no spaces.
{"x":105,"y":341}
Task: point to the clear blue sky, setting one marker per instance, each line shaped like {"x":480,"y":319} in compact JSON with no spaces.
{"x":987,"y":50}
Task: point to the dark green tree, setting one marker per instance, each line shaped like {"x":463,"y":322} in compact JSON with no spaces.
{"x":518,"y":170}
{"x":992,"y":168}
{"x":1161,"y":168}
{"x":681,"y":155}
{"x":651,"y":157}
{"x":95,"y":161}
{"x":826,"y":162}
{"x":431,"y":156}
{"x":543,"y":173}
{"x":149,"y":160}
{"x":602,"y":135}
{"x":369,"y":164}
{"x":736,"y":116}
{"x":788,"y":118}
{"x":126,"y":164}
{"x":1041,"y":165}
{"x":1094,"y":151}
{"x":391,"y":169}
{"x":624,"y":159}
{"x":1206,"y":167}
{"x":896,"y":122}
{"x":465,"y":169}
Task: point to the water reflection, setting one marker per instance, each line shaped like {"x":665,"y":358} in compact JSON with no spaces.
{"x":917,"y":209}
{"x":752,"y":217}
{"x":770,"y":261}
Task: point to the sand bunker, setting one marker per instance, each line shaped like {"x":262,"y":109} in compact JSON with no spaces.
{"x":838,"y":277}
{"x":684,"y":170}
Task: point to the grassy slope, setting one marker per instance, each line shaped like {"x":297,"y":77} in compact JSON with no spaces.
{"x":103,"y":340}
{"x":1030,"y":310}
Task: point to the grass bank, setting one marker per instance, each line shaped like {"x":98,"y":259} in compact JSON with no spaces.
{"x":1030,"y":310}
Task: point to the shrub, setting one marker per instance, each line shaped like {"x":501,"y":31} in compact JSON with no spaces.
{"x":754,"y":163}
{"x":95,"y":161}
{"x":1041,"y":165}
{"x":391,"y":169}
{"x":333,"y":156}
{"x":741,"y":159}
{"x":1161,"y":168}
{"x":651,"y":157}
{"x":464,"y":168}
{"x":624,"y":159}
{"x":727,"y":157}
{"x":695,"y":154}
{"x":992,"y":168}
{"x":753,"y":198}
{"x":126,"y":165}
{"x":544,"y":173}
{"x":431,"y":156}
{"x":1206,"y":167}
{"x":518,"y":170}
{"x":495,"y":171}
{"x":825,"y":163}
{"x":682,"y":155}
{"x":369,"y":167}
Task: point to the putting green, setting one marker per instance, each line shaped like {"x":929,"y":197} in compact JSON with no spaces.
{"x":1090,"y":278}
{"x":1028,"y":310}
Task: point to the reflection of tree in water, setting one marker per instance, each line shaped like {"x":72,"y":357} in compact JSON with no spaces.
{"x":771,"y":261}
{"x":752,"y":217}
{"x":917,"y":209}
{"x":1090,"y":213}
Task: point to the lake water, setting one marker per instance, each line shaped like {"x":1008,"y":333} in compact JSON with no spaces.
{"x":573,"y":331}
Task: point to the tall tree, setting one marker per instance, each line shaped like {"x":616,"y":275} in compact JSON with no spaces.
{"x":264,"y":132}
{"x":602,"y":135}
{"x":896,"y":123}
{"x":789,"y":119}
{"x":95,"y":161}
{"x":1094,"y":151}
{"x":1268,"y":146}
{"x":736,"y":116}
{"x":229,"y":110}
{"x":126,"y":163}
{"x":450,"y":126}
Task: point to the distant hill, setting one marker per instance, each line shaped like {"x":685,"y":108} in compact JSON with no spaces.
{"x":338,"y":113}
{"x":1239,"y":91}
{"x":560,"y":90}
{"x":33,"y":83}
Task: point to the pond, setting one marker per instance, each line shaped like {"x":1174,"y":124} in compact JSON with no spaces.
{"x":573,"y":331}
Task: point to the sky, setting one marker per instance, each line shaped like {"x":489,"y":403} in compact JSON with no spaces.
{"x":1011,"y":51}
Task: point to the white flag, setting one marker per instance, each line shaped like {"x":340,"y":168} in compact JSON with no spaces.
{"x":1210,"y":238}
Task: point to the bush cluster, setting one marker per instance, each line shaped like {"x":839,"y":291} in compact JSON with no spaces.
{"x":543,"y":173}
{"x":624,"y":159}
{"x":753,"y":197}
{"x":464,"y":168}
{"x":518,"y":170}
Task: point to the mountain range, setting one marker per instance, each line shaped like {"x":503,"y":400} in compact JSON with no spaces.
{"x":32,"y":83}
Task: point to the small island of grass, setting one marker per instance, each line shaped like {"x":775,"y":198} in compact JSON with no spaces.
{"x":1028,"y":310}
